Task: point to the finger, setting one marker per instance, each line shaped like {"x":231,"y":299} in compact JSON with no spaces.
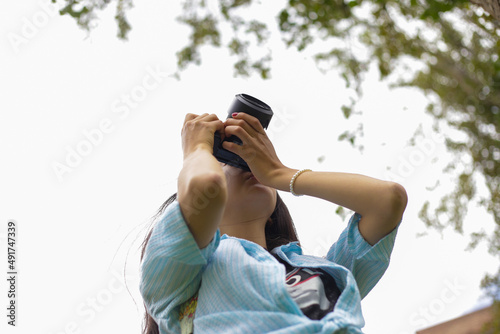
{"x":246,"y":153}
{"x":241,"y":123}
{"x":218,"y":125}
{"x":208,"y":117}
{"x":222,"y":130}
{"x":202,"y":116}
{"x":222,"y":133}
{"x":251,"y":120}
{"x":189,"y":117}
{"x":232,"y":147}
{"x":238,"y":131}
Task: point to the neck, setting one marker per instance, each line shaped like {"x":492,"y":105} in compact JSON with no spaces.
{"x":252,"y":230}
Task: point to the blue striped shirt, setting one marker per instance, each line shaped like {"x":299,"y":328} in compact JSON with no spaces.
{"x":241,"y":287}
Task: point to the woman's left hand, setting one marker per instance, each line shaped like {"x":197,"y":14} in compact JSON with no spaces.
{"x":257,"y":150}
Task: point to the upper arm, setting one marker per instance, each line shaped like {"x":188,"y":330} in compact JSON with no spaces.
{"x":172,"y":265}
{"x":376,"y":224}
{"x":366,"y":262}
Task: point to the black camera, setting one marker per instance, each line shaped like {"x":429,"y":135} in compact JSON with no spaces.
{"x":249,"y":105}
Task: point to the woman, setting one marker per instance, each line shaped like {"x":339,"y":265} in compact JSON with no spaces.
{"x":225,"y":246}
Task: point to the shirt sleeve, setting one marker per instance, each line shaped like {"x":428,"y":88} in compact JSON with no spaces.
{"x":367,"y":263}
{"x":172,"y":266}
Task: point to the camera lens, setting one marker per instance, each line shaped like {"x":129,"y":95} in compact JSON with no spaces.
{"x":252,"y":106}
{"x":249,"y":105}
{"x":255,"y":102}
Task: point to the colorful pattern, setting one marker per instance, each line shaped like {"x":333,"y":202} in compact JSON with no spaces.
{"x":186,"y":315}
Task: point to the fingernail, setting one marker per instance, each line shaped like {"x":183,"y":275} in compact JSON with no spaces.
{"x":234,"y":114}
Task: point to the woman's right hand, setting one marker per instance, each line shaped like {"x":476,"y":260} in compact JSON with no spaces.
{"x":198,"y":132}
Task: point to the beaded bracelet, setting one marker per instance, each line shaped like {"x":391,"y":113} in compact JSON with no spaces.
{"x":292,"y":181}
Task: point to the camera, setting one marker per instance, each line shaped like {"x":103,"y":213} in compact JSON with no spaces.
{"x":249,"y":105}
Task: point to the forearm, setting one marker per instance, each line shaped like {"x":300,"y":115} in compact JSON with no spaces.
{"x":199,"y":164}
{"x":380,"y":203}
{"x":356,"y":192}
{"x":202,"y":194}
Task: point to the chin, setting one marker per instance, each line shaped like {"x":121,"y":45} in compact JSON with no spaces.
{"x":267,"y":200}
{"x":261,"y":200}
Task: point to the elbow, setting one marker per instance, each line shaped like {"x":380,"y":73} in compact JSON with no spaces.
{"x":397,"y":201}
{"x":209,"y":187}
{"x":202,"y":205}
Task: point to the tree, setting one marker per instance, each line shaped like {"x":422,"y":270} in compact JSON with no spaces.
{"x":456,"y":45}
{"x":491,"y":6}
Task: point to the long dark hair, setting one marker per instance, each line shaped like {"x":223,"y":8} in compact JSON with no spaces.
{"x":279,"y":230}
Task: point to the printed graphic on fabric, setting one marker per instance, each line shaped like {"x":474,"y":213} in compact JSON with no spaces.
{"x":313,"y":289}
{"x":306,"y":288}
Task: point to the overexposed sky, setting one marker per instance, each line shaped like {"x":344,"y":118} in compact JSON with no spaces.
{"x":90,"y":146}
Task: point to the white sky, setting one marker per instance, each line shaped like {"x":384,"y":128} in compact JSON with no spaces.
{"x":76,"y":231}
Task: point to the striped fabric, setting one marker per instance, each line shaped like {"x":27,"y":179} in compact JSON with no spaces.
{"x":241,"y":287}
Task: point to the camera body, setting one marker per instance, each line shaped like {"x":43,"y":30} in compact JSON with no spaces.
{"x":249,"y":105}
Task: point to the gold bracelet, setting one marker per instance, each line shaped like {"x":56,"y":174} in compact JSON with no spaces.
{"x":292,"y":181}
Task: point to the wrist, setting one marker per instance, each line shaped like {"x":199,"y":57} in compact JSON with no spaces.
{"x":294,"y":178}
{"x":281,"y":178}
{"x":198,"y":149}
